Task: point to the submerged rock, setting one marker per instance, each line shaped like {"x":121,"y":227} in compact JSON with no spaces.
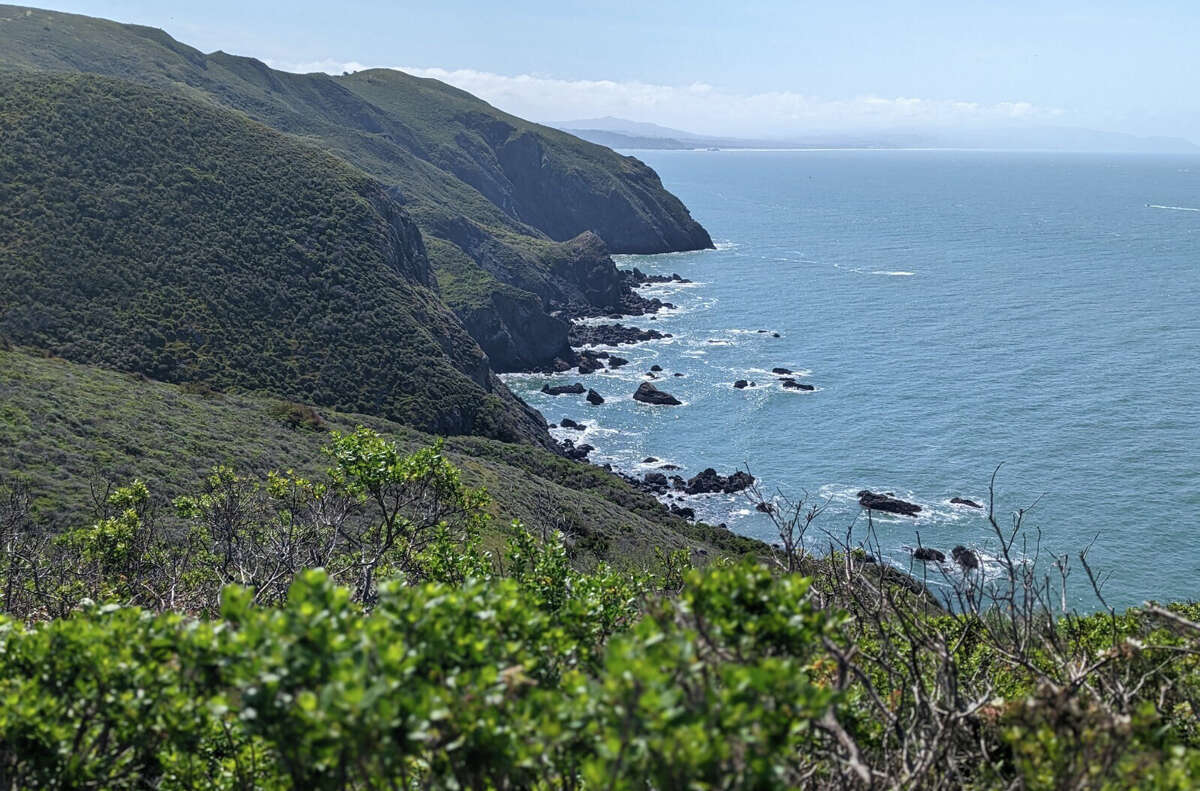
{"x":649,"y":460}
{"x":792,"y":384}
{"x":784,"y":371}
{"x":965,"y":501}
{"x":926,"y":554}
{"x":649,"y":394}
{"x":594,"y":398}
{"x":575,"y":389}
{"x":885,"y":502}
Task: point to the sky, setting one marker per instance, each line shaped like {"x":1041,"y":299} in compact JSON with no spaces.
{"x":765,"y":69}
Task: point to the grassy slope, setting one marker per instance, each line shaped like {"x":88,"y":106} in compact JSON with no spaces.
{"x":65,"y":425}
{"x":157,"y":234}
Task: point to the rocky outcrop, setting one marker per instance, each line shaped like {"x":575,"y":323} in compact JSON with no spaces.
{"x":965,"y":501}
{"x":649,"y":394}
{"x":709,"y":482}
{"x":887,"y":503}
{"x":594,"y":398}
{"x":741,"y":384}
{"x":636,"y":277}
{"x":792,"y":384}
{"x":611,"y":335}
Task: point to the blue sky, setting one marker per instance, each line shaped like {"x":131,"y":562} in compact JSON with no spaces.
{"x":768,"y":68}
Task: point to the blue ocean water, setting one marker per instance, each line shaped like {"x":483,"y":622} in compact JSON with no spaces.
{"x":955,"y":311}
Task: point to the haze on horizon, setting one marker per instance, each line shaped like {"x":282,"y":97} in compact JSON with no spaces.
{"x":772,"y":69}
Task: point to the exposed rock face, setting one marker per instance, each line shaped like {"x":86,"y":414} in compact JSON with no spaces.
{"x":965,"y":501}
{"x":885,"y":502}
{"x":575,"y":389}
{"x":611,"y":335}
{"x":792,"y":384}
{"x":594,"y":398}
{"x":927,"y":554}
{"x":649,"y":394}
{"x":709,"y":481}
{"x":784,"y":371}
{"x":965,"y":557}
{"x":741,"y":384}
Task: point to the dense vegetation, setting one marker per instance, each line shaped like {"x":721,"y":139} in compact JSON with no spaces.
{"x":156,"y":234}
{"x":492,"y":193}
{"x":416,"y":659}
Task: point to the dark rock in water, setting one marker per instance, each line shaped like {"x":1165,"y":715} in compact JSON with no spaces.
{"x":885,"y":502}
{"x":649,"y":460}
{"x":792,"y":384}
{"x":709,"y":481}
{"x":774,"y":334}
{"x":561,"y":365}
{"x":589,"y":364}
{"x":668,"y":467}
{"x":657,"y":480}
{"x":649,"y":394}
{"x":654,"y":318}
{"x":678,"y":482}
{"x":965,"y":557}
{"x":571,"y":424}
{"x":651,"y":375}
{"x":925,"y":553}
{"x":754,"y":384}
{"x":684,"y":511}
{"x":594,"y":398}
{"x":610,"y":335}
{"x":762,"y":332}
{"x":577,"y":453}
{"x":965,"y":501}
{"x":781,"y":371}
{"x":575,"y":389}
{"x":616,"y":362}
{"x":656,"y":368}
{"x":677,"y":374}
{"x":615,"y":316}
{"x":740,"y":384}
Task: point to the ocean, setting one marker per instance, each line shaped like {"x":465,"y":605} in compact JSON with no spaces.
{"x":955,"y":312}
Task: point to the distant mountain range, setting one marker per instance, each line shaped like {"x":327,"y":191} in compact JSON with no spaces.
{"x":620,"y":133}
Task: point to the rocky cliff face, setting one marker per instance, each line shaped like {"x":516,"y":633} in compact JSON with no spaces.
{"x":527,"y":213}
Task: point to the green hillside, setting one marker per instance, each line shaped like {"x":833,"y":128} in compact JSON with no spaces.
{"x":153,"y":233}
{"x":66,"y":427}
{"x":497,"y":193}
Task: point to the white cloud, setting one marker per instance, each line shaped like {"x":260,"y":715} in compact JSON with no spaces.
{"x":705,"y":108}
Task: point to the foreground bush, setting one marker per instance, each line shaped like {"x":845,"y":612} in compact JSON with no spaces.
{"x":139,"y":658}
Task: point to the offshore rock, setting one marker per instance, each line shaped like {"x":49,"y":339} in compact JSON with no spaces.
{"x":575,"y":389}
{"x":965,"y":501}
{"x":649,"y":394}
{"x":594,"y":398}
{"x":927,"y":554}
{"x":965,"y":557}
{"x":887,"y":503}
{"x":792,"y":384}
